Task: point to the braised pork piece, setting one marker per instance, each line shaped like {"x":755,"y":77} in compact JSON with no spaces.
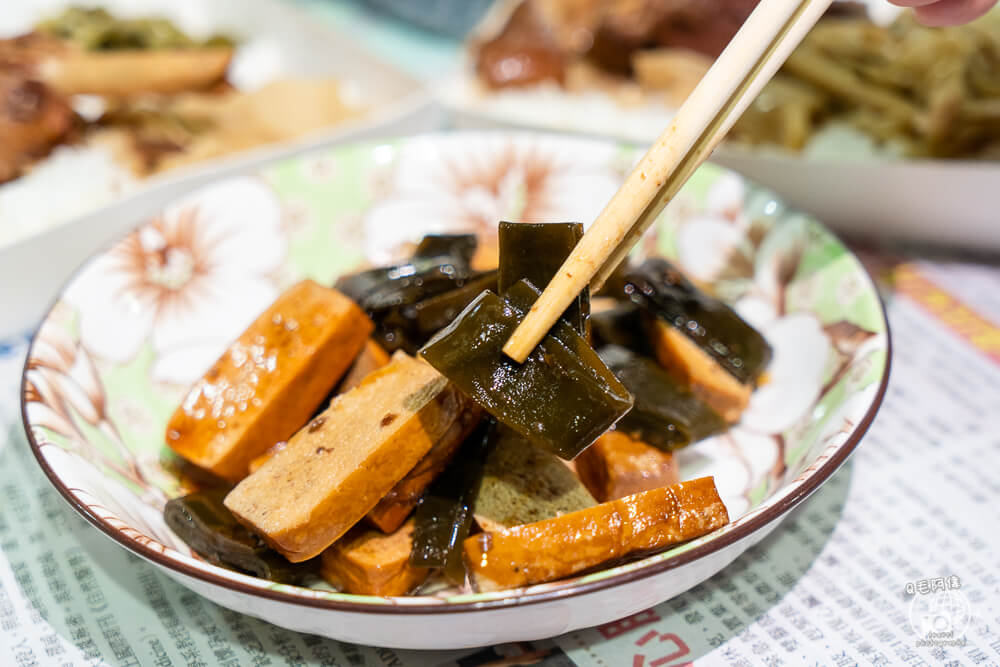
{"x":542,"y":37}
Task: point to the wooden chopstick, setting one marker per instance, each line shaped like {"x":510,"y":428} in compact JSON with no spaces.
{"x":753,"y":56}
{"x":765,"y":68}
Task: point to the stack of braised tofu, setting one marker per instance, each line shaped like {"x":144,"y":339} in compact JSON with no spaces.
{"x":374,"y":433}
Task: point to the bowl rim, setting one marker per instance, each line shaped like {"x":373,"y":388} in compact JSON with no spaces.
{"x":759,"y":519}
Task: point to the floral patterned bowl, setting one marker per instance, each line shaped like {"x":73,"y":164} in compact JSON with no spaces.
{"x":145,"y":318}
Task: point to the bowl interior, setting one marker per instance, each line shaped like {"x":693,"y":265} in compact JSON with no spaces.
{"x":142,"y":320}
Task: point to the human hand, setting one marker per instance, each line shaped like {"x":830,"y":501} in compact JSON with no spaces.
{"x":939,"y":13}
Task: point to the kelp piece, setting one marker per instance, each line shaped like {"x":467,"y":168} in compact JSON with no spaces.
{"x":534,"y":251}
{"x":361,"y":284}
{"x":205,"y":525}
{"x":562,"y":397}
{"x":665,"y":413}
{"x":437,"y":254}
{"x":459,"y":248}
{"x":711,"y":325}
{"x":393,"y":305}
{"x":614,"y":285}
{"x":444,"y":517}
{"x":622,"y":324}
{"x":522,"y":483}
{"x":409,"y":303}
{"x":430,"y":315}
{"x":573,"y":543}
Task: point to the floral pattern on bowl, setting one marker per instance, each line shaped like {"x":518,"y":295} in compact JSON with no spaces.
{"x":141,"y":321}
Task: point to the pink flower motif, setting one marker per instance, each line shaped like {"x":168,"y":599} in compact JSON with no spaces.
{"x":62,"y":382}
{"x":64,"y":394}
{"x":186,"y":283}
{"x":441,"y":186}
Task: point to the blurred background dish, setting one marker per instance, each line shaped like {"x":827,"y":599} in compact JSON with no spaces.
{"x":97,"y":120}
{"x":902,"y":90}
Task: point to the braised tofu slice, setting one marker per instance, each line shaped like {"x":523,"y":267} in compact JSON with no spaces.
{"x":368,"y":562}
{"x":337,"y":468}
{"x":269,"y":381}
{"x":618,"y":465}
{"x":572,"y":543}
{"x":392,"y":510}
{"x":258,"y":461}
{"x":535,"y":252}
{"x":690,"y":365}
{"x":522,"y":483}
{"x":700,"y":340}
{"x":371,"y":358}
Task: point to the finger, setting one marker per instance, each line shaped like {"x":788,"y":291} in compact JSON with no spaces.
{"x":912,"y":3}
{"x":952,"y":12}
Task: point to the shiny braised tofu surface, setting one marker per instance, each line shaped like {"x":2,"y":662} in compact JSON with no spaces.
{"x":368,"y":562}
{"x":618,"y":465}
{"x":371,"y":358}
{"x":572,"y":543}
{"x":392,"y":510}
{"x":269,"y":381}
{"x":335,"y":469}
{"x":691,"y":365}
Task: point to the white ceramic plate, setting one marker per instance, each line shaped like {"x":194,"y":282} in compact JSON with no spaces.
{"x":137,"y":324}
{"x":276,"y":40}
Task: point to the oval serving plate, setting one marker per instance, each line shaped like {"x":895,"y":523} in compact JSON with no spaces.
{"x":145,"y":318}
